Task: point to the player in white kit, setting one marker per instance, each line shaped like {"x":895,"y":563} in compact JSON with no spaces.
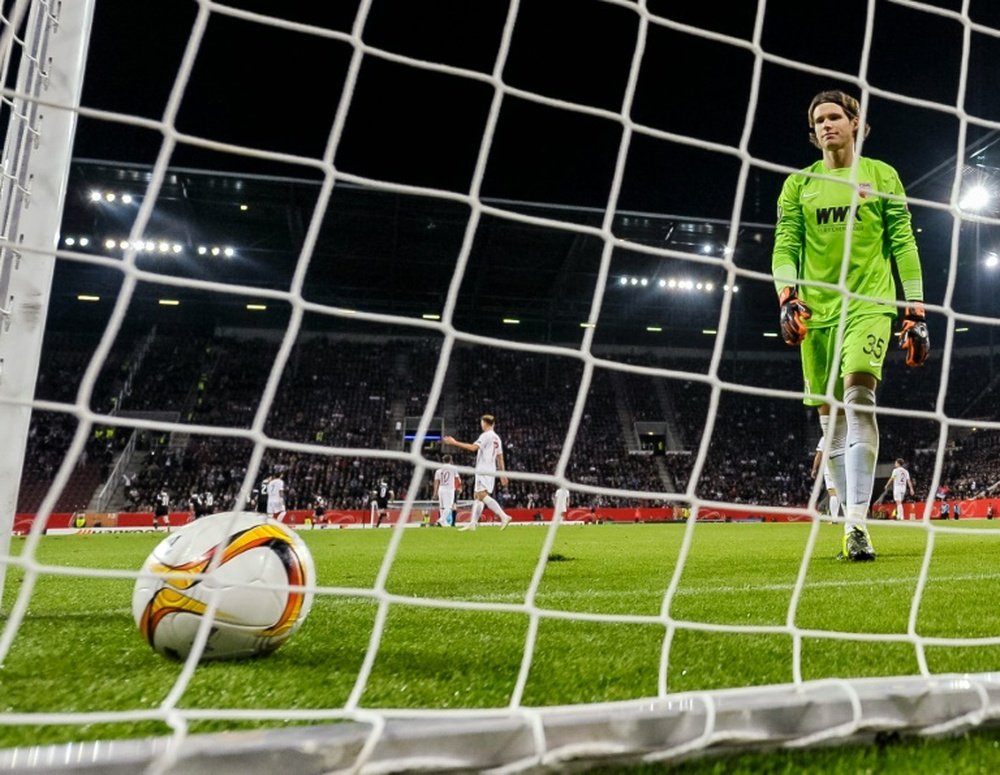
{"x":900,"y":481}
{"x":560,"y":500}
{"x":831,"y":488}
{"x":446,"y":484}
{"x":489,"y":460}
{"x":275,"y":489}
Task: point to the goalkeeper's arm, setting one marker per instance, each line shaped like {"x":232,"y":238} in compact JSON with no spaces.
{"x":794,"y":314}
{"x":913,"y":336}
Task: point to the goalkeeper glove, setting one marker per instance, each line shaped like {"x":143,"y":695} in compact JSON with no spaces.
{"x":913,"y":336}
{"x":794,"y":315}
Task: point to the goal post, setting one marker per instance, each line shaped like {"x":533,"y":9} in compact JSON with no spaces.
{"x":48,"y":56}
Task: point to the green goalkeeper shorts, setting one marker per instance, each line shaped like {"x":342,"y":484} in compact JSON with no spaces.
{"x":866,"y":341}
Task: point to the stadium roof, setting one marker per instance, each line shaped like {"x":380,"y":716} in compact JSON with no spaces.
{"x":417,"y":115}
{"x":392,"y":253}
{"x":389,"y":253}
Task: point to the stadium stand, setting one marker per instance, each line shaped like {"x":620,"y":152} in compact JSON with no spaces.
{"x":355,"y":392}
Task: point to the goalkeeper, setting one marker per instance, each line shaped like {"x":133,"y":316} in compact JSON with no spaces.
{"x":859,"y":199}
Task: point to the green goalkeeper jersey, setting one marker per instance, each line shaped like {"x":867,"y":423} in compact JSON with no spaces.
{"x":810,"y":235}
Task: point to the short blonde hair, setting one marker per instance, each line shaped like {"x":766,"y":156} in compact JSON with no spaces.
{"x":850,"y":105}
{"x":489,"y":419}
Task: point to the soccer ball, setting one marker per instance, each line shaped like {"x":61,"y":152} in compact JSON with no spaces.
{"x":249,"y":562}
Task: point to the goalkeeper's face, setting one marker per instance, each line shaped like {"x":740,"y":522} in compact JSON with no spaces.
{"x":832,"y":127}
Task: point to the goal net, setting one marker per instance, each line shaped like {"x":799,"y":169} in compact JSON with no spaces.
{"x":239,"y":241}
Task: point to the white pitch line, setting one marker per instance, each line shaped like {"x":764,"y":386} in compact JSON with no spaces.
{"x":543,"y":597}
{"x":835,"y":583}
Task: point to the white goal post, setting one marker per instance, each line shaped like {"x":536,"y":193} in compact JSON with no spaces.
{"x":615,"y":734}
{"x":41,"y":122}
{"x":52,"y":39}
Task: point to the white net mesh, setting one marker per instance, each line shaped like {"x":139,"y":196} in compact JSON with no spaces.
{"x":442,"y":217}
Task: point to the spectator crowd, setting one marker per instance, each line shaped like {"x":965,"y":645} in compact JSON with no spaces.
{"x":332,"y":427}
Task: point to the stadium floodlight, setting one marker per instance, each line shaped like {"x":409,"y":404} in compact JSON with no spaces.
{"x":228,"y":252}
{"x":84,"y":241}
{"x":257,"y":307}
{"x":991,"y":260}
{"x":623,"y":280}
{"x":654,"y":329}
{"x":70,"y":241}
{"x":430,"y":316}
{"x":87,"y":297}
{"x":169,"y":302}
{"x":511,"y":321}
{"x":975,"y":198}
{"x":127,"y":199}
{"x":110,"y":197}
{"x":95,"y":196}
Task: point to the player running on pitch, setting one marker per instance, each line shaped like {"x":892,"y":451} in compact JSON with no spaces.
{"x":846,"y":196}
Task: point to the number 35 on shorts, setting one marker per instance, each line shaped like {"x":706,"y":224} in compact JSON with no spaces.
{"x":874,"y":348}
{"x":865,"y":348}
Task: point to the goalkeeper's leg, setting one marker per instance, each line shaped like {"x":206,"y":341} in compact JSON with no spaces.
{"x":862,"y":454}
{"x":862,"y":365}
{"x":856,"y":543}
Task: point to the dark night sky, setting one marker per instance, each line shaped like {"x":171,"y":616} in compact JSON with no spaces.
{"x":279,"y":90}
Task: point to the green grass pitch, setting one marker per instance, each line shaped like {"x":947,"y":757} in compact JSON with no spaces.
{"x":78,"y":649}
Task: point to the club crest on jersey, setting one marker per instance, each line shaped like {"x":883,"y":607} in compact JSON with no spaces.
{"x":864,"y":190}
